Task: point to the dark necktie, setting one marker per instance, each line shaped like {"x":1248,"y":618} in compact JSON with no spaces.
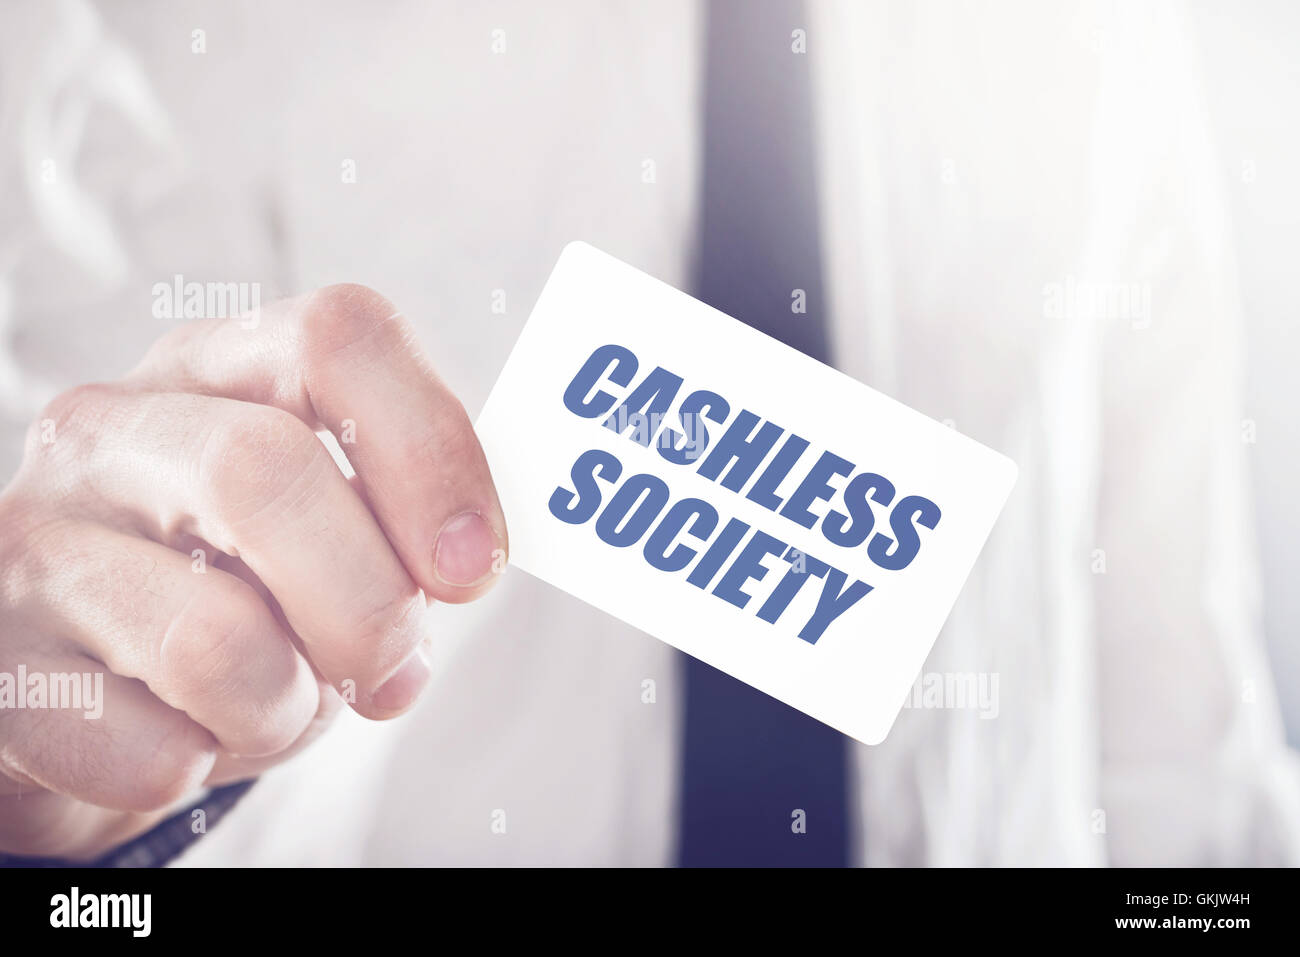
{"x":750,"y":762}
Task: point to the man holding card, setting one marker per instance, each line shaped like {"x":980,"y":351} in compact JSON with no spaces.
{"x":260,"y":603}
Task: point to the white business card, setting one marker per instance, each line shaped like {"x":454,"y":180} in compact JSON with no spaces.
{"x":717,"y":489}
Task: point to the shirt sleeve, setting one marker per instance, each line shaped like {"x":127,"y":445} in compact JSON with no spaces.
{"x":161,"y":844}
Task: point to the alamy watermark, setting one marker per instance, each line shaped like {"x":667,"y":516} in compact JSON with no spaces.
{"x":976,"y":691}
{"x":657,"y":429}
{"x":57,"y":690}
{"x":179,"y":299}
{"x":1076,"y":298}
{"x":75,"y":909}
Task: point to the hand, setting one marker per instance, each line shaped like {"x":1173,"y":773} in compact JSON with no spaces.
{"x":185,"y":533}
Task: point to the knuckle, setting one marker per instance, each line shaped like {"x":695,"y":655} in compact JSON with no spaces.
{"x":264,"y":735}
{"x":33,"y":549}
{"x":170,"y":355}
{"x":176,"y":769}
{"x":450,"y":443}
{"x":80,"y":400}
{"x":129,"y":770}
{"x":388,"y":628}
{"x":70,"y":419}
{"x":224,"y":654}
{"x":255,"y":460}
{"x":210,"y":639}
{"x":342,"y":316}
{"x":16,"y":520}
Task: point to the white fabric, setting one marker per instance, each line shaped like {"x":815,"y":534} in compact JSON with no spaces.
{"x":974,"y":161}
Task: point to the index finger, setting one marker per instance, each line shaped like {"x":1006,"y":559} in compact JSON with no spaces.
{"x":343,"y":358}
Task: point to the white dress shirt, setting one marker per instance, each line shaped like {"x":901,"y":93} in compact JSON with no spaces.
{"x":1001,"y":196}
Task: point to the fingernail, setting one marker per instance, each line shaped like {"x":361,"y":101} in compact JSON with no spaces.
{"x":397,"y":693}
{"x":465,"y":550}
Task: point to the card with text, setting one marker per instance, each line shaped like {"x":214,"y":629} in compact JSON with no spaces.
{"x":729,"y":495}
